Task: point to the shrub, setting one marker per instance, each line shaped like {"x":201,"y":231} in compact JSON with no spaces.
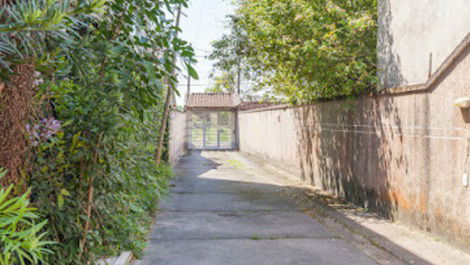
{"x":21,"y":239}
{"x":95,"y":179}
{"x":102,"y":67}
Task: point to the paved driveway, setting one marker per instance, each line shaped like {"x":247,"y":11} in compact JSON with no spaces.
{"x":219,"y":212}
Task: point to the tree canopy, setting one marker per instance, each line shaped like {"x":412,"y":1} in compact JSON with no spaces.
{"x":304,"y":50}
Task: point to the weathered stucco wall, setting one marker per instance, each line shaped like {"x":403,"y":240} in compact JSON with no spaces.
{"x":403,"y":155}
{"x":178,"y":131}
{"x":409,"y":31}
{"x":271,"y":135}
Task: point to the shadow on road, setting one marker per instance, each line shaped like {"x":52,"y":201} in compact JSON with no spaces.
{"x":214,"y":198}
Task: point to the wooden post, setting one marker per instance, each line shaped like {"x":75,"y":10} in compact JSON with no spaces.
{"x":166,"y":110}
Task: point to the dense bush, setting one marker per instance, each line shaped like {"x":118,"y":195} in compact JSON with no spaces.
{"x":102,"y":69}
{"x":106,"y":146}
{"x":22,"y":241}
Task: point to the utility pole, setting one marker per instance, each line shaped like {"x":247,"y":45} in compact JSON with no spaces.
{"x":188,"y":89}
{"x":239,"y":79}
{"x":166,"y":111}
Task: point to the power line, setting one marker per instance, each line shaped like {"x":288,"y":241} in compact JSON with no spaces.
{"x":201,"y":50}
{"x":245,"y":83}
{"x":195,"y":85}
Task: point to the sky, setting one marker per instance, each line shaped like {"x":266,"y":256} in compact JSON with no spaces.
{"x":202,"y":23}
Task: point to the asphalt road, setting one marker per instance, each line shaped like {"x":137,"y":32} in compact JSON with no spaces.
{"x":220,"y":213}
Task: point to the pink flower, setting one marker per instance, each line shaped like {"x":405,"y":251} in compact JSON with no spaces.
{"x":43,"y":130}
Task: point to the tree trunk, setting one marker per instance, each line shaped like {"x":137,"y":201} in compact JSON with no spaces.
{"x":15,"y":107}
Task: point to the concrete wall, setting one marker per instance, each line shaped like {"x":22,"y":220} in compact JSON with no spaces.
{"x":178,"y":134}
{"x":403,"y":155}
{"x":411,"y":30}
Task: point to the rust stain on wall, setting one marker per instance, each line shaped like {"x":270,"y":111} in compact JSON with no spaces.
{"x":400,"y":155}
{"x":400,"y":200}
{"x":423,"y":203}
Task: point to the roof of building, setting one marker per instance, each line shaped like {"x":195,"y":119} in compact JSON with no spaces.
{"x":212,"y":100}
{"x":251,"y":105}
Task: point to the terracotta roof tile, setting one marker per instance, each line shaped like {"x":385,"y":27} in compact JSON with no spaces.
{"x":251,"y":105}
{"x":212,"y":100}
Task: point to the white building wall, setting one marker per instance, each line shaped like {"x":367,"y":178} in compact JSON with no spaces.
{"x":411,"y":30}
{"x":178,"y":135}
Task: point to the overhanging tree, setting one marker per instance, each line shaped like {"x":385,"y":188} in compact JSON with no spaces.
{"x":230,"y":54}
{"x":306,"y":50}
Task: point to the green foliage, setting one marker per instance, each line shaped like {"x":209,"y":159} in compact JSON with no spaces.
{"x":105,"y":142}
{"x":230,"y":54}
{"x":230,"y":50}
{"x":311,"y":49}
{"x":104,"y":65}
{"x":33,"y":30}
{"x":21,"y":240}
{"x":224,"y":82}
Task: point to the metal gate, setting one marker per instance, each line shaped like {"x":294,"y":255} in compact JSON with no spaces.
{"x":212,"y":130}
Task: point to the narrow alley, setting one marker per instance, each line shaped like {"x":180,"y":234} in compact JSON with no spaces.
{"x":224,"y":210}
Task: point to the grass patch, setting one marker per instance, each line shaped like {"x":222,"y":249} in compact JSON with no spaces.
{"x":236,"y":164}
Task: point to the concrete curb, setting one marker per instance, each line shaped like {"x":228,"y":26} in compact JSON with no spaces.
{"x":124,"y":259}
